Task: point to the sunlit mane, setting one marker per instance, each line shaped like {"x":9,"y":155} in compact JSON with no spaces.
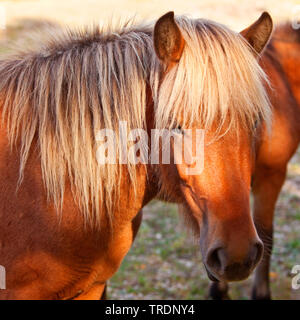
{"x":82,"y":81}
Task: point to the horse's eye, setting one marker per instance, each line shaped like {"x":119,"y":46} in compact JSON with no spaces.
{"x":255,"y":124}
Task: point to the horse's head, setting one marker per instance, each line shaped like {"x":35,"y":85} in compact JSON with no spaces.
{"x":217,"y":85}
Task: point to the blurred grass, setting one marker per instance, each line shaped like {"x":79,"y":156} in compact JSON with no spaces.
{"x":234,"y":13}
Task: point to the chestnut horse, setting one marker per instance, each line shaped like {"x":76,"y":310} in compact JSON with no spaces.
{"x":281,"y":62}
{"x":66,"y":221}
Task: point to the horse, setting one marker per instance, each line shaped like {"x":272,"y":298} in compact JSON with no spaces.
{"x":67,"y":221}
{"x":281,"y":62}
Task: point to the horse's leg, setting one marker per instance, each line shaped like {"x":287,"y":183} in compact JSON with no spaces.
{"x":219,"y":291}
{"x":267,"y":184}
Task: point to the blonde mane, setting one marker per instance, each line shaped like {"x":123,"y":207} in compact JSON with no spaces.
{"x":60,"y":95}
{"x":217,"y":79}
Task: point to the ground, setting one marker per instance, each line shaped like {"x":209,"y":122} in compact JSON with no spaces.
{"x":164,"y":262}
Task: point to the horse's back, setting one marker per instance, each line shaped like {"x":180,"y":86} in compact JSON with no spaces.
{"x":279,"y":144}
{"x":286,"y":44}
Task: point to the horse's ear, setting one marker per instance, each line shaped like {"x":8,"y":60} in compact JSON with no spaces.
{"x":258,"y":34}
{"x":168,"y":40}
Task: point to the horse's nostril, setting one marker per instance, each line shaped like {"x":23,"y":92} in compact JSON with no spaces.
{"x":257,"y":252}
{"x":214,"y":261}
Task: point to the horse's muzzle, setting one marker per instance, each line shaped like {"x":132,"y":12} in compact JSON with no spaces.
{"x":221,"y":264}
